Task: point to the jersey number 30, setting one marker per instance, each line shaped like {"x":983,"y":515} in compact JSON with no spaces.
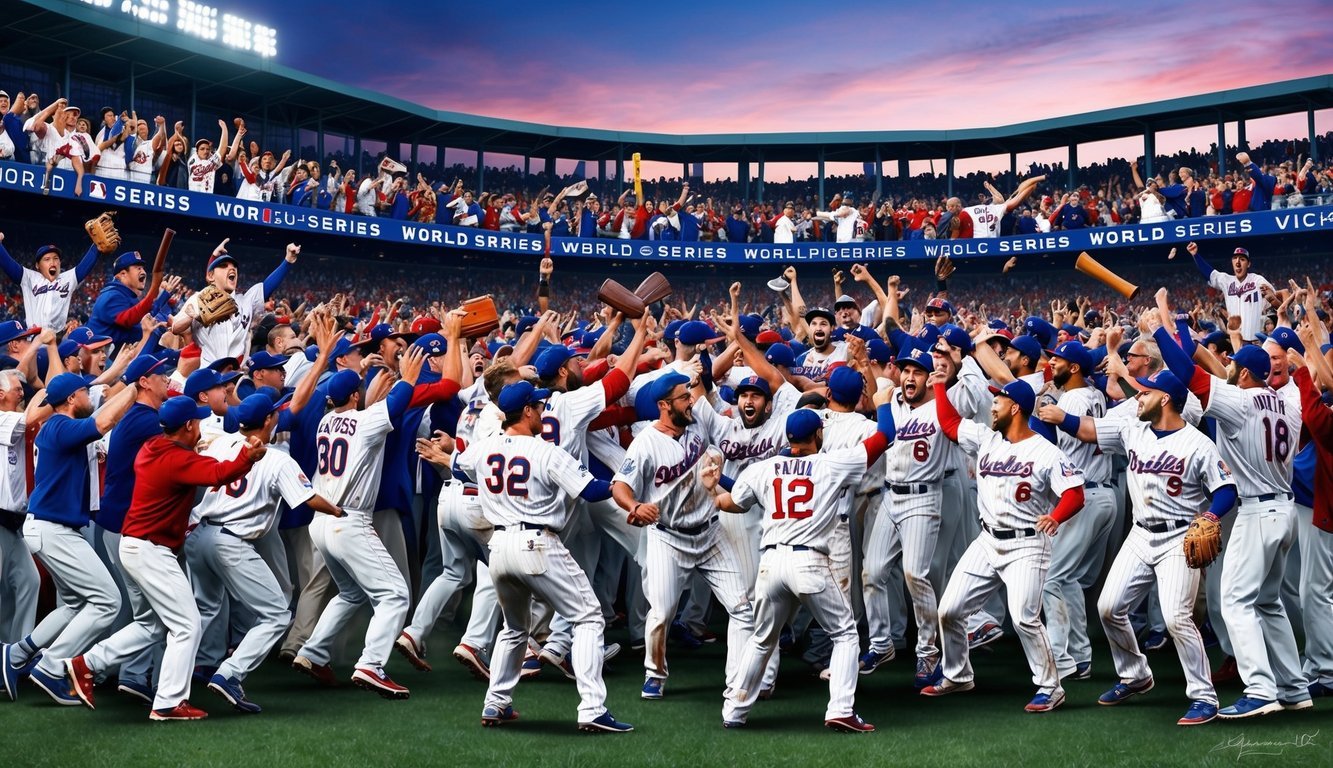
{"x":512,"y":480}
{"x":332,"y":456}
{"x":794,"y":502}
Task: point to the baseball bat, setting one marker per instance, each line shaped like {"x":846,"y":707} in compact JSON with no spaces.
{"x":1093,"y":268}
{"x":160,"y":262}
{"x":638,"y":180}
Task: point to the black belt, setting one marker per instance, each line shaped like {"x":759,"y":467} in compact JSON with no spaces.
{"x":1098,"y":485}
{"x":224,"y":528}
{"x":694,"y":530}
{"x":12,"y":521}
{"x":910,"y":488}
{"x":1274,"y":496}
{"x":1174,"y":525}
{"x":524,"y":527}
{"x":1010,"y":533}
{"x":793,"y":547}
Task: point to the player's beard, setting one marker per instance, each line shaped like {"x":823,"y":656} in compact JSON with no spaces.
{"x":573,"y":380}
{"x":752,"y":416}
{"x":1062,"y":378}
{"x":681,"y":419}
{"x":83,"y":411}
{"x":1000,"y":421}
{"x":820,"y":338}
{"x":1150,"y":410}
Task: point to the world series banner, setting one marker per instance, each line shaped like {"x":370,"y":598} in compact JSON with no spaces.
{"x":125,"y":194}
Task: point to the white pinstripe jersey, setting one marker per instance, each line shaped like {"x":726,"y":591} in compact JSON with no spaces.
{"x":1084,"y":401}
{"x":1170,"y":477}
{"x":46,"y":302}
{"x":742,"y":446}
{"x":1257,"y":433}
{"x":523,"y":479}
{"x":248,"y":507}
{"x":568,"y":414}
{"x":351,"y":454}
{"x":664,"y":470}
{"x":1016,"y":482}
{"x":800,"y":494}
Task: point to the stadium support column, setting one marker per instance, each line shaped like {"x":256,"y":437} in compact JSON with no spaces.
{"x":416,"y":158}
{"x":879,"y":172}
{"x":1241,"y":143}
{"x":821,"y":180}
{"x":620,"y":169}
{"x":601,"y":175}
{"x":743,"y":178}
{"x":948,"y":170}
{"x":481,"y":171}
{"x":1149,"y":152}
{"x":356,"y":149}
{"x":1073,"y":165}
{"x":1314,"y":148}
{"x":1013,"y":166}
{"x":550,"y":169}
{"x":319,"y":142}
{"x":1221,"y":146}
{"x":759,"y":182}
{"x":904,"y":169}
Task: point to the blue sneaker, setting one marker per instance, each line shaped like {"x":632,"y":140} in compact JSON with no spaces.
{"x":1249,"y":707}
{"x":494,"y":716}
{"x":58,"y":688}
{"x":870,"y":660}
{"x":1083,"y":670}
{"x":1121,"y":692}
{"x":1045,"y":702}
{"x":141,"y":691}
{"x":607,"y":723}
{"x":1154,"y":640}
{"x":1318,"y":689}
{"x":532,"y":666}
{"x":733,"y":724}
{"x":928,"y":672}
{"x":9,"y":674}
{"x":653,"y":688}
{"x":230,"y":689}
{"x":683,"y":636}
{"x":1200,"y":712}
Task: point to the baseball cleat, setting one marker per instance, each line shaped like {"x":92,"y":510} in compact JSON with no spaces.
{"x":410,"y":650}
{"x":494,"y":716}
{"x":767,"y":693}
{"x":182,"y":711}
{"x":732,"y":724}
{"x":947,"y":686}
{"x":1154,"y":640}
{"x":1082,"y":671}
{"x":136,"y":690}
{"x":1296,"y":706}
{"x":653,"y":688}
{"x":10,"y":673}
{"x":1045,"y":702}
{"x":532,"y":665}
{"x":928,"y":672}
{"x":472,"y":659}
{"x":1200,"y":712}
{"x":985,"y":635}
{"x":1123,"y":691}
{"x":81,"y":680}
{"x":610,"y":651}
{"x":230,"y":689}
{"x":322,"y":673}
{"x":683,"y":636}
{"x":377,"y":681}
{"x":870,"y":660}
{"x":1248,"y":707}
{"x":1318,"y":689}
{"x":607,"y":723}
{"x":558,"y":660}
{"x":202,"y":673}
{"x":1226,"y":671}
{"x":707,"y":637}
{"x":849,"y":724}
{"x":58,"y":688}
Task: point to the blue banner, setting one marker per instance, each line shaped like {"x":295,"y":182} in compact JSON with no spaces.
{"x":125,"y":194}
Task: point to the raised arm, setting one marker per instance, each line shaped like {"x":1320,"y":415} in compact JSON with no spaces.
{"x":275,"y":277}
{"x":12,"y":269}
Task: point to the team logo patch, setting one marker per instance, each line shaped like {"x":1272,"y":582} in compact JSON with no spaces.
{"x":304,"y":480}
{"x":97,"y":190}
{"x":1069,"y":470}
{"x":1224,"y":469}
{"x":628,"y":467}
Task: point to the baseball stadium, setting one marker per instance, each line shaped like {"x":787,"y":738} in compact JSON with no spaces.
{"x":345,"y":429}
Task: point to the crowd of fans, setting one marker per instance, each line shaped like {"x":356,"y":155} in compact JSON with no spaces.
{"x":124,"y":145}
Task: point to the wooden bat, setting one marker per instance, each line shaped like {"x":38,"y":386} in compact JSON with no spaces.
{"x":638,"y":180}
{"x":1090,"y":266}
{"x":160,"y":263}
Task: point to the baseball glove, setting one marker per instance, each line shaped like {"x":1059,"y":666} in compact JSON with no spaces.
{"x":215,"y":305}
{"x":481,"y":319}
{"x":1203,"y":542}
{"x":102,"y":231}
{"x":621,"y":299}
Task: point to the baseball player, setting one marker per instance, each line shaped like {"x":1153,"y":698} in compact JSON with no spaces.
{"x":1019,"y":475}
{"x":222,"y":550}
{"x":800,"y":496}
{"x":57,"y":512}
{"x":1174,"y":469}
{"x":1077,"y":557}
{"x":168,"y":472}
{"x":1247,"y":294}
{"x":229,"y":337}
{"x":986,"y":216}
{"x":824,"y":351}
{"x":521,"y":479}
{"x":660,"y":474}
{"x":47,"y":291}
{"x":18,"y":575}
{"x":351,"y":451}
{"x":1257,"y":432}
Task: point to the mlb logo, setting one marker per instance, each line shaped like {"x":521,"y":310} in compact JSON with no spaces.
{"x":96,"y":190}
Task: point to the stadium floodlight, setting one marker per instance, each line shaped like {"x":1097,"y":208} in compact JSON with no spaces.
{"x":201,"y":21}
{"x":197,"y":19}
{"x":98,"y":3}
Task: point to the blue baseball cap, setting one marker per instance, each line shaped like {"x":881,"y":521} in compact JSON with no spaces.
{"x":780,"y":355}
{"x":998,"y":325}
{"x":1044,"y":331}
{"x":433,"y":344}
{"x":956,"y":337}
{"x":878,"y":351}
{"x":845,"y":385}
{"x":755,"y":384}
{"x":263,"y":361}
{"x":940,"y":305}
{"x":917,"y":356}
{"x":143,"y":365}
{"x":750,"y":325}
{"x":127,"y":260}
{"x":219,"y":261}
{"x":62,"y":387}
{"x":672,"y":328}
{"x":797,"y":348}
{"x":341,"y":347}
{"x":1166,"y":381}
{"x":1018,"y":391}
{"x":524,"y":325}
{"x":727,"y":394}
{"x":928,"y":335}
{"x":697,"y":332}
{"x":254,"y":409}
{"x":838,"y":334}
{"x":81,"y":335}
{"x":645,"y":407}
{"x":45,"y":249}
{"x":381,"y":332}
{"x":13,"y":329}
{"x":494,"y":348}
{"x":1075,"y":353}
{"x":1216,"y":337}
{"x":67,"y":348}
{"x":1028,"y":347}
{"x":178,"y":411}
{"x":864,"y":333}
{"x":202,"y":380}
{"x":814,"y":312}
{"x":515,"y":397}
{"x":1253,"y":359}
{"x":549,"y":362}
{"x":1287,"y":339}
{"x":341,"y":386}
{"x":802,"y":424}
{"x":663,"y":386}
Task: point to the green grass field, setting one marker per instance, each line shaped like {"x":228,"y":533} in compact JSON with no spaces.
{"x":305,"y":725}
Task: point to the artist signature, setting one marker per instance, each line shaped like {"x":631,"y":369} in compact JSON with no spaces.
{"x":1246,"y":748}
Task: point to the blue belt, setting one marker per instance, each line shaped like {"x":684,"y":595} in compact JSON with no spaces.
{"x":1274,"y":496}
{"x":1098,"y":485}
{"x":693,"y":530}
{"x":223,"y":528}
{"x":793,"y":547}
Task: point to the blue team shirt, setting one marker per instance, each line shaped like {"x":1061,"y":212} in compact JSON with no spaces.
{"x":139,"y":424}
{"x":60,"y":487}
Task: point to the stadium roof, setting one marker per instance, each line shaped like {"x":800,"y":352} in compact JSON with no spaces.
{"x":112,"y":48}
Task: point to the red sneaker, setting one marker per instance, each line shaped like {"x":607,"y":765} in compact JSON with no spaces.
{"x":376,"y":681}
{"x":81,"y":679}
{"x":410,"y":650}
{"x":851,"y":724}
{"x":182,"y":711}
{"x":322,"y":673}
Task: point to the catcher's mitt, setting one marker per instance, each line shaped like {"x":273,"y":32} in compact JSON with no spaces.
{"x":621,"y":299}
{"x":215,"y":305}
{"x":102,"y":231}
{"x":1203,"y":542}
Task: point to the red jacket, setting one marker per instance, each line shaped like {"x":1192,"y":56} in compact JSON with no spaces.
{"x":166,"y":475}
{"x":1318,"y":421}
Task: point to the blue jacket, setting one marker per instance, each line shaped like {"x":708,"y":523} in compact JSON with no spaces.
{"x":115,"y":298}
{"x":1262,"y":199}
